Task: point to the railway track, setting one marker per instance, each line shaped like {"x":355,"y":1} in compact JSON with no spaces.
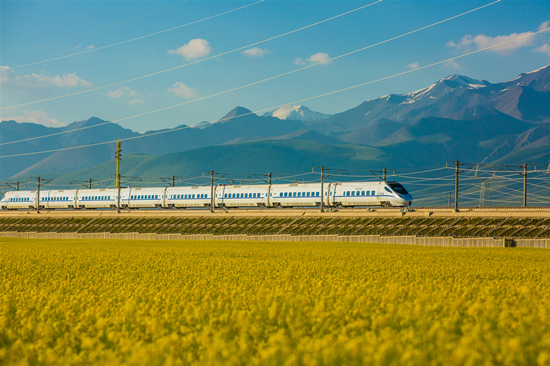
{"x":292,"y":212}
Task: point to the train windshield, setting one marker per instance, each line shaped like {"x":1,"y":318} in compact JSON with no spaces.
{"x":398,"y":188}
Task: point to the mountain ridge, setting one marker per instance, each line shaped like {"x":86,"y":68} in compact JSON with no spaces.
{"x":495,"y":121}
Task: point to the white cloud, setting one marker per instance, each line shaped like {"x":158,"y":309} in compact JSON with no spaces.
{"x":513,"y":42}
{"x":195,"y":49}
{"x":90,"y":47}
{"x":544,"y":25}
{"x":256,"y":52}
{"x":66,"y":81}
{"x":319,"y":57}
{"x":10,"y":80}
{"x":181,"y":90}
{"x":452,"y":64}
{"x":121,"y":92}
{"x":136,"y":101}
{"x":39,"y":117}
{"x":545,"y":48}
{"x":414,"y":65}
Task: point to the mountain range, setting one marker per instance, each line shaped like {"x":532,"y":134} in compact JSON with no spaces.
{"x":456,"y":118}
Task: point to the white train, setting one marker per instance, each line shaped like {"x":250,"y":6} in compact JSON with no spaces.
{"x":339,"y":194}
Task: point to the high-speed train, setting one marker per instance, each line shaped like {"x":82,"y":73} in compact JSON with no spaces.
{"x":334,"y":195}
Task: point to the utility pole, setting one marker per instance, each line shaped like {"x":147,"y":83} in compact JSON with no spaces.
{"x":38,"y":194}
{"x":212,"y":180}
{"x":383,"y":171}
{"x":449,"y":197}
{"x":212,"y":191}
{"x":525,"y":185}
{"x":321,"y":206}
{"x":323,"y":176}
{"x":456,"y":185}
{"x":457,"y":173}
{"x":12,"y":185}
{"x":524,"y":175}
{"x":171,"y":180}
{"x":118,"y":156}
{"x":89,"y":183}
{"x":39,"y":183}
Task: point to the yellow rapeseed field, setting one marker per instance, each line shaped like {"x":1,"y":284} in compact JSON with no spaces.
{"x":98,"y":302}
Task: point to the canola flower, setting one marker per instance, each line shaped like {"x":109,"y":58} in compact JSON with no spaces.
{"x":78,"y":302}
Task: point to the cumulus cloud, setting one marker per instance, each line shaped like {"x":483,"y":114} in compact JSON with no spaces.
{"x":319,"y":57}
{"x":136,"y":101}
{"x":414,"y":65}
{"x":195,"y":49}
{"x":256,"y":52}
{"x":9,"y":79}
{"x":545,"y":48}
{"x":452,"y":64}
{"x":121,"y":92}
{"x":513,"y":41}
{"x":38,"y":117}
{"x":181,"y":90}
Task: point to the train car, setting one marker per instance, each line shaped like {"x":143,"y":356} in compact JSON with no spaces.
{"x":188,"y":197}
{"x":58,"y":199}
{"x":16,"y":200}
{"x":144,"y":197}
{"x":335,"y":194}
{"x":97,"y":198}
{"x":296,"y":195}
{"x":233,"y":196}
{"x":386,"y":194}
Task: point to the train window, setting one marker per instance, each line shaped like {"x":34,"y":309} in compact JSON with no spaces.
{"x":372,"y":193}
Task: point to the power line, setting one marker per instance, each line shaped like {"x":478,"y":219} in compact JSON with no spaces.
{"x":270,"y":108}
{"x":136,"y":38}
{"x":93,"y":30}
{"x":191,"y":63}
{"x":257,"y":82}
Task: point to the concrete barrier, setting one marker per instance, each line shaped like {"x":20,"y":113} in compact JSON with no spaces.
{"x":406,"y":240}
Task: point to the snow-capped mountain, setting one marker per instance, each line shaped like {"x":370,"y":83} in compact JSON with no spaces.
{"x":525,"y":97}
{"x":297,"y":113}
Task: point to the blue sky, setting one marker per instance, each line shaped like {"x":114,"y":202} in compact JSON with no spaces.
{"x":73,"y":51}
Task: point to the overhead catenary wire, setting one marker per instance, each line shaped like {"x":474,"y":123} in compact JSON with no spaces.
{"x":194,"y":62}
{"x":94,"y":30}
{"x":265,"y":80}
{"x":280,"y":105}
{"x":137,"y":38}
